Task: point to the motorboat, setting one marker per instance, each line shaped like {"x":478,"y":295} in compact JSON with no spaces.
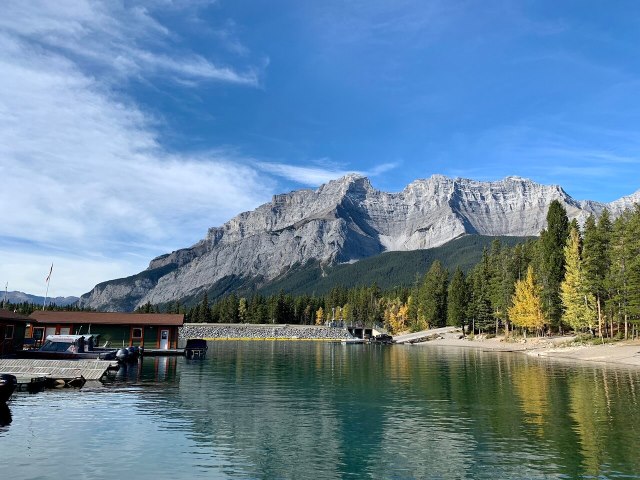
{"x":195,"y":348}
{"x":69,"y":347}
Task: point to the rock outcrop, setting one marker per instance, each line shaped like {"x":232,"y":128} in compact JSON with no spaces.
{"x":343,"y":221}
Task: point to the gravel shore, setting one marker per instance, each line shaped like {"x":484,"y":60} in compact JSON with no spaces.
{"x":561,"y":347}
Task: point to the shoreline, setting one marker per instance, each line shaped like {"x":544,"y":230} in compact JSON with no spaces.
{"x":622,"y":353}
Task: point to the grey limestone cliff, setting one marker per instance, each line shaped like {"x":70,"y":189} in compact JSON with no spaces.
{"x":343,"y":221}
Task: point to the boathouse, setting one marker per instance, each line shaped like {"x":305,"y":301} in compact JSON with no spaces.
{"x":12,"y":331}
{"x":150,"y":330}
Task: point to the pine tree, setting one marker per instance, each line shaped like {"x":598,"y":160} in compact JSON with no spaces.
{"x":480,"y":310}
{"x":205,"y":310}
{"x":552,"y":242}
{"x":576,"y":299}
{"x":457,"y":300}
{"x":596,"y":257}
{"x":526,"y":311}
{"x":432,"y":307}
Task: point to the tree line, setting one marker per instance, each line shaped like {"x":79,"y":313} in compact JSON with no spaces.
{"x":570,"y":278}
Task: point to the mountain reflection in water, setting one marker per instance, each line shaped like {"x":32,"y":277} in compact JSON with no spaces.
{"x":319,"y":410}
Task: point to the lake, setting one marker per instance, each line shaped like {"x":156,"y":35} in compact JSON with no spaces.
{"x":273,"y":410}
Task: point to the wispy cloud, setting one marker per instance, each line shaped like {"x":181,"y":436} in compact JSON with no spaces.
{"x":311,"y":176}
{"x":86,"y":183}
{"x":316,"y":175}
{"x":580,"y":157}
{"x":115,"y":38}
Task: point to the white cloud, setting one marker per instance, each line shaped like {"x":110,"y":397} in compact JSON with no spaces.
{"x":316,"y":175}
{"x":115,"y":38}
{"x":311,"y":176}
{"x":27,"y":272}
{"x":86,"y":184}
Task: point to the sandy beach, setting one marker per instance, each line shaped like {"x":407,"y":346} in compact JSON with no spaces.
{"x":561,"y":347}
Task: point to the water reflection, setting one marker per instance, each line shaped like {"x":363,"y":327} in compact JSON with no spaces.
{"x":5,"y":417}
{"x":263,"y":401}
{"x":149,"y":370}
{"x":301,"y":410}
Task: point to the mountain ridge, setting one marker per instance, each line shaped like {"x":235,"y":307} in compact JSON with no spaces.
{"x":346,"y":220}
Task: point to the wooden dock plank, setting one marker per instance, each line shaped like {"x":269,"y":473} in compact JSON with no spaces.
{"x":27,"y":367}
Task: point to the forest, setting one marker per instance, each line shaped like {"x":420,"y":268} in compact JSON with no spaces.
{"x":569,"y":278}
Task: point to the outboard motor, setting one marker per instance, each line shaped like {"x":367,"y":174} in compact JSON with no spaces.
{"x":133,"y":353}
{"x":122,"y":355}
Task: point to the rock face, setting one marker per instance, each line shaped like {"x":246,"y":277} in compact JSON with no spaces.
{"x":343,"y":221}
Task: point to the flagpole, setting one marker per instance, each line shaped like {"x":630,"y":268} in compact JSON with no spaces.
{"x":6,"y":287}
{"x":48,"y":279}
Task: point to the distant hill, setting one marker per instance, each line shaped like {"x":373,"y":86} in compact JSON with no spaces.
{"x":21,"y":297}
{"x":387,"y":270}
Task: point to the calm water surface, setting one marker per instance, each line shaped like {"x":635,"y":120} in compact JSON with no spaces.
{"x":317,"y":410}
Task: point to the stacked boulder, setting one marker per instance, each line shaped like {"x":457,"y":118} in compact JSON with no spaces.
{"x":262,"y":332}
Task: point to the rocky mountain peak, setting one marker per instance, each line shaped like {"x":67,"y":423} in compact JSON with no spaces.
{"x":344,"y":220}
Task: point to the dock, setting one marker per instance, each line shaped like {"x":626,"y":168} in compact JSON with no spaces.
{"x":33,"y":373}
{"x":163,"y":352}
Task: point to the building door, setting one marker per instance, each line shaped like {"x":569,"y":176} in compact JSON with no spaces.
{"x":164,"y":339}
{"x":38,"y":336}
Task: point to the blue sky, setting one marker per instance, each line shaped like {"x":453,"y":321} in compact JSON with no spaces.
{"x":129,"y":128}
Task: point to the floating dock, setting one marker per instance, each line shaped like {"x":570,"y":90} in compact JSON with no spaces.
{"x":31,"y":372}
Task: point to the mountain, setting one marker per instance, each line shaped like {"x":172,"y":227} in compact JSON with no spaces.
{"x":21,"y":297}
{"x":343,"y":221}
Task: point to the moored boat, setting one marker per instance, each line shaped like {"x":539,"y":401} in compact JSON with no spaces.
{"x":69,"y":347}
{"x":195,"y":348}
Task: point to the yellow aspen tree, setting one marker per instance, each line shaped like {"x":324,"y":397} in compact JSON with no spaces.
{"x":578,"y":303}
{"x":346,"y":312}
{"x":319,"y":316}
{"x":403,"y":316}
{"x":526,"y":311}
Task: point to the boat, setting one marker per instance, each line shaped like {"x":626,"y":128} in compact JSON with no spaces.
{"x":195,"y":348}
{"x":69,"y":347}
{"x":8,"y":384}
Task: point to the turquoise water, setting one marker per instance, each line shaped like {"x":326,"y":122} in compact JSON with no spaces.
{"x":317,"y":410}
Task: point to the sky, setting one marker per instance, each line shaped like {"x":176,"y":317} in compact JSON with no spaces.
{"x":128,"y":128}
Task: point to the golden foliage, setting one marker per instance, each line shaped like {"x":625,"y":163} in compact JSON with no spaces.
{"x":526,"y":311}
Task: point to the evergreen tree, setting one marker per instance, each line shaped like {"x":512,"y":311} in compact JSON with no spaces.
{"x":480,"y":309}
{"x":552,"y":242}
{"x":205,"y":311}
{"x":432,"y":307}
{"x":457,"y":300}
{"x":596,"y":257}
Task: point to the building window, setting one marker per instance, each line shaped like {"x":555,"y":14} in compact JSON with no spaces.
{"x":136,"y":334}
{"x":8,"y":333}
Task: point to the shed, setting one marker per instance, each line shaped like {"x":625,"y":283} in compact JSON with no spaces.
{"x":12,"y":331}
{"x":151,"y":330}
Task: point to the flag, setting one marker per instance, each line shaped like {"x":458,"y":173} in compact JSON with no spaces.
{"x":49,"y":276}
